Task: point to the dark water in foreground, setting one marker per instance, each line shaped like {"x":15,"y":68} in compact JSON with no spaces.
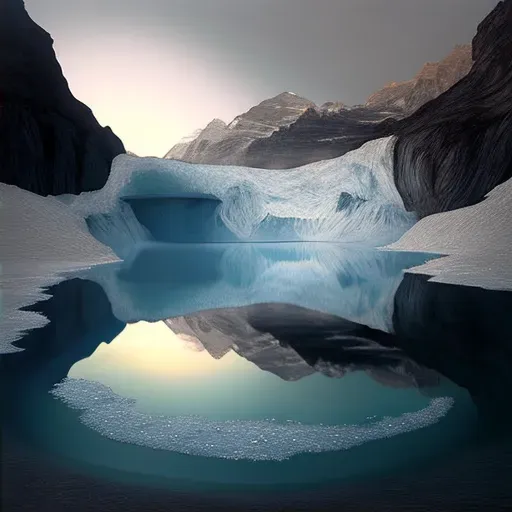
{"x":322,"y":378}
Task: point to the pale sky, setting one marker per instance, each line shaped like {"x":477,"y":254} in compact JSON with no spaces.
{"x":156,"y":70}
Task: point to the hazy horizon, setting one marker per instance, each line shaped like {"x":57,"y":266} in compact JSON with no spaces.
{"x":158,"y":70}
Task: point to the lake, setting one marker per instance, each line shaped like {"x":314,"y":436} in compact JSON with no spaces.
{"x":263,"y":374}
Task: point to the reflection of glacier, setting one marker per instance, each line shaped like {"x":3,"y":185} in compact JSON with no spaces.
{"x":351,"y":199}
{"x":169,"y":280}
{"x":116,"y":417}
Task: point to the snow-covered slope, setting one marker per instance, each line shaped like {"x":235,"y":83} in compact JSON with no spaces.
{"x":39,"y":238}
{"x":477,"y":240}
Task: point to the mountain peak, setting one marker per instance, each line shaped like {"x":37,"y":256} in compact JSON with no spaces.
{"x":432,"y":80}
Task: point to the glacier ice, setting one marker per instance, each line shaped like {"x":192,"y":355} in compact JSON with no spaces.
{"x":253,"y":203}
{"x":476,"y":240}
{"x":117,"y":418}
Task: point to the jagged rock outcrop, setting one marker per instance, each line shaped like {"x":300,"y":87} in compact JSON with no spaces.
{"x":458,"y":147}
{"x":433,"y":79}
{"x":219,"y":143}
{"x":332,"y":106}
{"x":203,"y":143}
{"x":50,"y":143}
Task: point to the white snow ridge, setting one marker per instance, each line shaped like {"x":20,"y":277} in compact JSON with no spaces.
{"x":477,"y":240}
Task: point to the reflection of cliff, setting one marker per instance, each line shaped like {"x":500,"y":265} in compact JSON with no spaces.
{"x":293,"y":342}
{"x":50,"y":142}
{"x":166,"y":281}
{"x":461,"y":332}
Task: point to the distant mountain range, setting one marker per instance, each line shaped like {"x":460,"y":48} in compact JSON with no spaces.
{"x":226,"y":144}
{"x":255,"y":137}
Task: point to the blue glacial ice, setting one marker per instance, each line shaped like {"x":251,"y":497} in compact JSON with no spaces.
{"x":351,"y":199}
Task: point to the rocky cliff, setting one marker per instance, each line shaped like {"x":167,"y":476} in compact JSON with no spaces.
{"x":319,"y":135}
{"x":50,"y":143}
{"x":458,"y":147}
{"x":334,"y":131}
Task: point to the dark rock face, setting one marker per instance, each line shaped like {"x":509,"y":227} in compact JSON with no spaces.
{"x":319,"y":136}
{"x":458,"y":147}
{"x":50,"y":142}
{"x":461,"y":332}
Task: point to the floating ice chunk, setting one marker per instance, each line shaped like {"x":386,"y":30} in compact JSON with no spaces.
{"x":116,"y":417}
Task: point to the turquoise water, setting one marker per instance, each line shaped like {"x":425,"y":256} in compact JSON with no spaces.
{"x":234,"y":409}
{"x":232,"y":389}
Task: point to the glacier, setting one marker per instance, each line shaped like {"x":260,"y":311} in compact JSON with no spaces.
{"x":351,"y":199}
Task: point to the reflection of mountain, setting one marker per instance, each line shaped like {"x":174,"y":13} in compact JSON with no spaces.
{"x":50,"y":142}
{"x":293,"y":342}
{"x":226,"y":144}
{"x":461,"y":333}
